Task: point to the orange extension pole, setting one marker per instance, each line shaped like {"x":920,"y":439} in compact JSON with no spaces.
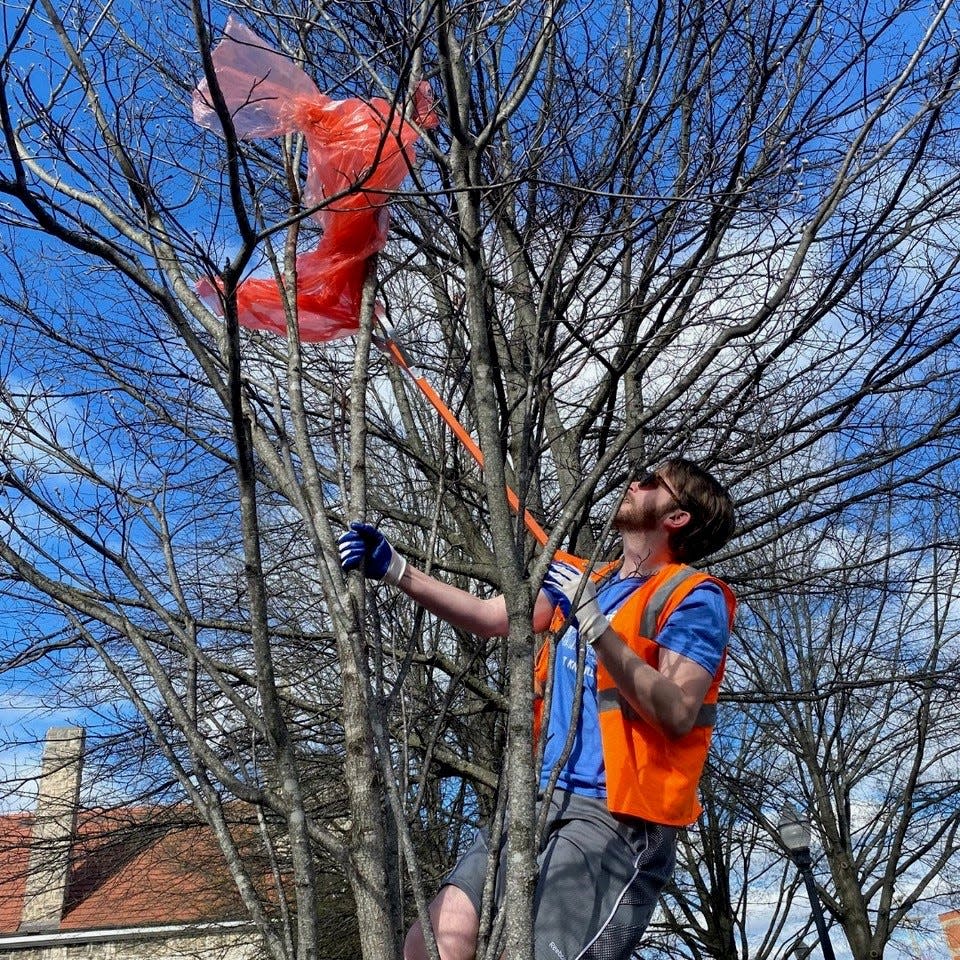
{"x":393,"y":350}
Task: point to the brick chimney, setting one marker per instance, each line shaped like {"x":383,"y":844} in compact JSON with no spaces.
{"x":55,"y":820}
{"x":950,"y":922}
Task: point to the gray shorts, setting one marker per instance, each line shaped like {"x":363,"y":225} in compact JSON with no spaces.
{"x":599,"y":880}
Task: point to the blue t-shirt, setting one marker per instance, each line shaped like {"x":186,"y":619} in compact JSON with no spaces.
{"x":697,"y":629}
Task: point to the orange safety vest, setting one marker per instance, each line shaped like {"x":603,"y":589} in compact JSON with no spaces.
{"x":650,"y":774}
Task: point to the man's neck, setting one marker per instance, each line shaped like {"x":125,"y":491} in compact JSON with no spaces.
{"x":643,"y":554}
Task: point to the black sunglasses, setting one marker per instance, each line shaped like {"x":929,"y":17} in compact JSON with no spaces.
{"x":651,"y":479}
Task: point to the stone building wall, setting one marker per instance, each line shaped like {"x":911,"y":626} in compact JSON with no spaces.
{"x":190,"y":946}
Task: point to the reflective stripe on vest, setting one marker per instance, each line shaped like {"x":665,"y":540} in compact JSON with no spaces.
{"x":648,"y":624}
{"x":611,"y":699}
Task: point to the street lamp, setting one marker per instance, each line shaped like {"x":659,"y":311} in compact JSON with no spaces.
{"x":795,"y":833}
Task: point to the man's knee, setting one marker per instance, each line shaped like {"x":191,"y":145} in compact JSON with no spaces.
{"x":455,"y":925}
{"x":414,"y":947}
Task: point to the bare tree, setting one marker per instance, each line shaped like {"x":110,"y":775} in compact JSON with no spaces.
{"x":721,"y":230}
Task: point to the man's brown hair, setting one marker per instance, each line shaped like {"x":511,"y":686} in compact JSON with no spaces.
{"x":710,"y":507}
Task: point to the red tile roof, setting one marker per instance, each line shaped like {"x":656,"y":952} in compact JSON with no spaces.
{"x":14,"y":851}
{"x":130,"y":867}
{"x":950,"y":921}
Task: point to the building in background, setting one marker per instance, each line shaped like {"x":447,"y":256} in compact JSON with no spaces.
{"x":130,"y":883}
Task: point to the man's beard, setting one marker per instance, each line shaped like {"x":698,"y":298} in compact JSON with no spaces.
{"x":633,"y":518}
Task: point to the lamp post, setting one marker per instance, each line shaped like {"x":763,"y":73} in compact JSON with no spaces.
{"x":794,"y":831}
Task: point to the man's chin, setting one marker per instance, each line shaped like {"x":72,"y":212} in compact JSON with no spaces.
{"x":629,"y":520}
{"x":625,"y":523}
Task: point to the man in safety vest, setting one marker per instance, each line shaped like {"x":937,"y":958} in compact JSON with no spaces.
{"x":656,"y":633}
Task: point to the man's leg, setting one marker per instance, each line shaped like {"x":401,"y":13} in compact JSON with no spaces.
{"x":455,"y":925}
{"x":455,"y":911}
{"x":599,"y":882}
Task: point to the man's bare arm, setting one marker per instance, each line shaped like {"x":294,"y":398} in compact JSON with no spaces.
{"x":362,"y":547}
{"x":669,"y":697}
{"x":485,"y":617}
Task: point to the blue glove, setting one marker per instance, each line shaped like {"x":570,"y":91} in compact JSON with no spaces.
{"x":562,"y":584}
{"x":363,"y":547}
{"x":555,"y":592}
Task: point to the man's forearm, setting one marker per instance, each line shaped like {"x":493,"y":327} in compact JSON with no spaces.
{"x":484,"y":617}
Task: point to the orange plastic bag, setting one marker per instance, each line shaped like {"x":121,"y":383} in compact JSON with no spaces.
{"x":357,"y":152}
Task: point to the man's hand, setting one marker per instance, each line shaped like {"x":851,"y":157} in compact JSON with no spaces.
{"x":363,"y":547}
{"x":562,"y":584}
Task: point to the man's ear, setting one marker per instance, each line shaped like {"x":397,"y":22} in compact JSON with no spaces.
{"x":676,"y":519}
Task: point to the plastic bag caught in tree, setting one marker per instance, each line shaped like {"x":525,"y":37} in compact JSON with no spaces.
{"x":357,"y":152}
